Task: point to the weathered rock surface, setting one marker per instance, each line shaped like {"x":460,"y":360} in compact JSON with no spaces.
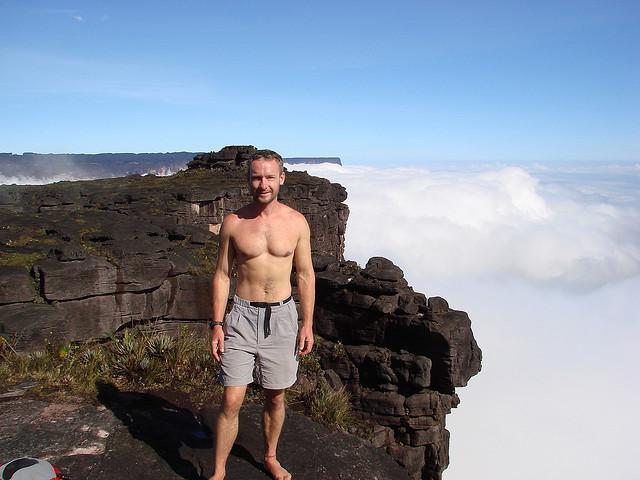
{"x":16,"y":285}
{"x":399,"y":354}
{"x":83,"y":259}
{"x":146,"y":436}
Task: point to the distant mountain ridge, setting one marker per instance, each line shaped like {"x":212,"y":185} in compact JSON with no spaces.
{"x":313,"y":160}
{"x":101,"y":165}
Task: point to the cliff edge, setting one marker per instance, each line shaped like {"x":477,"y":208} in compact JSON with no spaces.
{"x":82,"y":260}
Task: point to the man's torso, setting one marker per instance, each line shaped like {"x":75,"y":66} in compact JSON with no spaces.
{"x":264,"y":250}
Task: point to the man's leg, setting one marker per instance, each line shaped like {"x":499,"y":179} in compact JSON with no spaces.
{"x":227,"y":428}
{"x":272,"y":421}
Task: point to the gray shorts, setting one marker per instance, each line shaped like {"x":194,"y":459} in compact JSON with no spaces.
{"x":260,"y":345}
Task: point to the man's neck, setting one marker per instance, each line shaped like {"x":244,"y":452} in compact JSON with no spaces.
{"x":267,"y":210}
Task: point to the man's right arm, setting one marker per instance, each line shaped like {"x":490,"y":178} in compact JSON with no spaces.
{"x":221,"y":284}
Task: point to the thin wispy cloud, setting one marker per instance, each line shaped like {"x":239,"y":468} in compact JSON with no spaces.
{"x":72,"y":13}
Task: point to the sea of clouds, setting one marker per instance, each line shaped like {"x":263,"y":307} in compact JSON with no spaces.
{"x":546,"y":261}
{"x":502,"y":222}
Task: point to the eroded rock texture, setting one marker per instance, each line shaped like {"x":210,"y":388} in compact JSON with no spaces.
{"x":399,"y":354}
{"x":80,"y":260}
{"x":84,"y":259}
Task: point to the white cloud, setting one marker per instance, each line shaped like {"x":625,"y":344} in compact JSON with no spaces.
{"x":556,"y":397}
{"x":78,"y":18}
{"x":547,"y":265}
{"x":491,"y":223}
{"x":36,"y":180}
{"x":57,"y":169}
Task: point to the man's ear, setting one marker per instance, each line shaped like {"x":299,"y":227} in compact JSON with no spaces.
{"x":282,"y":178}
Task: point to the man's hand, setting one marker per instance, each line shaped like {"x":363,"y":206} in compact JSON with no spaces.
{"x":305,"y":340}
{"x":217,"y":342}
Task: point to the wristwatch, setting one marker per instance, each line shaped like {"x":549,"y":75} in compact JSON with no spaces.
{"x":215,"y":324}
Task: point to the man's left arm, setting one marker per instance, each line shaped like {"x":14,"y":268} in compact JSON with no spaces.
{"x":306,"y":281}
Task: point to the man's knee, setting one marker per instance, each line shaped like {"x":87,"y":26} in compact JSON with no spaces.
{"x":232,"y":400}
{"x":273,"y":399}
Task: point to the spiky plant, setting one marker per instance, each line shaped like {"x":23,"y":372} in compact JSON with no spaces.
{"x":331,"y":407}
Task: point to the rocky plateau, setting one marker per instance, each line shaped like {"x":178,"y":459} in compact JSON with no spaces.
{"x":82,"y":260}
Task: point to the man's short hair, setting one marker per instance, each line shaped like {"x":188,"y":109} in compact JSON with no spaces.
{"x":267,"y":155}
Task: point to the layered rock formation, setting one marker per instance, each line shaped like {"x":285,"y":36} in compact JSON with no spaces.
{"x":400,"y":355}
{"x":81,"y":260}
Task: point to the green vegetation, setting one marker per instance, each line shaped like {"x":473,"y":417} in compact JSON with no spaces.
{"x":310,"y":365}
{"x":16,"y":259}
{"x":331,"y":408}
{"x":338,"y":350}
{"x":137,"y":360}
{"x":27,"y":240}
{"x":97,"y":250}
{"x":143,"y":360}
{"x":23,"y":245}
{"x":94,"y":248}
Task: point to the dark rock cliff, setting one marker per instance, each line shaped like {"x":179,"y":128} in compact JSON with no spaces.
{"x":400,"y":355}
{"x":80,"y":260}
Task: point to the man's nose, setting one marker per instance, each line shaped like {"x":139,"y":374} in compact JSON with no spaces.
{"x":263,"y":182}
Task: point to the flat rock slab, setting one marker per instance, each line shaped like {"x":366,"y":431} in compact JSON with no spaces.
{"x":145,"y":436}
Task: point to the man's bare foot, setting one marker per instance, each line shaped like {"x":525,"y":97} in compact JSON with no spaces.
{"x":272,"y":465}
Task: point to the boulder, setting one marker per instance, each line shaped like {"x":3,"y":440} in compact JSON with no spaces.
{"x":77,"y":279}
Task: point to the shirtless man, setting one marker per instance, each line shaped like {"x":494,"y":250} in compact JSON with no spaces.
{"x":264,"y":238}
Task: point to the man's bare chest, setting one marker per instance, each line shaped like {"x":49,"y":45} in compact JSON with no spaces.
{"x":254,"y":239}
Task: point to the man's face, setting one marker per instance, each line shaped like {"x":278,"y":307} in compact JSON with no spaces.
{"x":265,"y":180}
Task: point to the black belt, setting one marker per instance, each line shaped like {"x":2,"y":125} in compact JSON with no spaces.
{"x":267,"y":313}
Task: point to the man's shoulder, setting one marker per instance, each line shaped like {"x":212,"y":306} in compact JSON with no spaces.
{"x":230,"y":221}
{"x":231,"y":217}
{"x":292,"y":214}
{"x":243,"y":212}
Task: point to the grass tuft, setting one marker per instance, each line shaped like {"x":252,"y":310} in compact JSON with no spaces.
{"x":331,"y":408}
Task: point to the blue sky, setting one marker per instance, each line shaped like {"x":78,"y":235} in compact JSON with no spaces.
{"x":372,"y":82}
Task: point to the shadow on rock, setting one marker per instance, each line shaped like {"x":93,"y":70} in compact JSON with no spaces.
{"x":175,"y":433}
{"x":183,"y":439}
